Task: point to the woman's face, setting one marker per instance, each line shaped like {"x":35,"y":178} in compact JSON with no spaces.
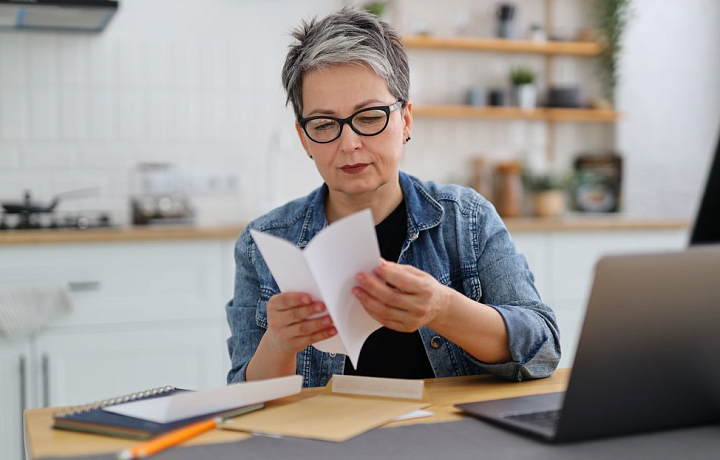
{"x":354,"y":165}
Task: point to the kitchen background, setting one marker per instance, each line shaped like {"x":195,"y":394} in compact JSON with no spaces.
{"x":196,"y":84}
{"x":187,"y":93}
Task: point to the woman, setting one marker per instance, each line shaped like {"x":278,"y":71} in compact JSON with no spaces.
{"x":453,"y":295}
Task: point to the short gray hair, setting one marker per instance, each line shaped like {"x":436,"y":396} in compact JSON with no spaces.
{"x":349,"y":36}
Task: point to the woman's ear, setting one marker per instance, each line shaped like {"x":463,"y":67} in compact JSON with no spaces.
{"x":408,"y":120}
{"x":303,"y":140}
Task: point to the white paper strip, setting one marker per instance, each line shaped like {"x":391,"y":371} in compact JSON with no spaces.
{"x":192,"y":404}
{"x":376,"y":386}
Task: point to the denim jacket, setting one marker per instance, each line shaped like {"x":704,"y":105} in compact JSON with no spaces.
{"x":455,"y":235}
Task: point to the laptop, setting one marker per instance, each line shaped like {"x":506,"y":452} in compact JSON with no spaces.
{"x":648,"y":356}
{"x":707,"y":219}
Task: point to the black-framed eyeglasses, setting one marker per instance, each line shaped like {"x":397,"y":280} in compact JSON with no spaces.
{"x":366,"y":122}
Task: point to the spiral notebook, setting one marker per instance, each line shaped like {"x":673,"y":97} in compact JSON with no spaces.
{"x":91,"y":418}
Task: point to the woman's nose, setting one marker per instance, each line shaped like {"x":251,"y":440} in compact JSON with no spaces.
{"x":349,"y":139}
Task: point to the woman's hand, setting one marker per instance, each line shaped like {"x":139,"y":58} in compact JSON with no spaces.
{"x":402,"y":297}
{"x":290,"y":328}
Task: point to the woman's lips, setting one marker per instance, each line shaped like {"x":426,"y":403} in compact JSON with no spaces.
{"x":355,"y":169}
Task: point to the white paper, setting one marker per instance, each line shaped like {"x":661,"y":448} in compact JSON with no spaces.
{"x":192,"y":404}
{"x":378,"y":386}
{"x":326,"y":270}
{"x":420,"y":413}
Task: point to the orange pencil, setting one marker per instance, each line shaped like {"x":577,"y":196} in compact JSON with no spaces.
{"x":170,"y":439}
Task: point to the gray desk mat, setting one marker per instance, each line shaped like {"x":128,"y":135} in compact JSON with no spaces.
{"x":463,"y":439}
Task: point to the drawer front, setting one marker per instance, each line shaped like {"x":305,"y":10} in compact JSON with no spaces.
{"x":127,"y":282}
{"x":103,"y":361}
{"x":574,"y":255}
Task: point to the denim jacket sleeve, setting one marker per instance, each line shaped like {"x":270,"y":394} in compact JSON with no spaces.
{"x":245,"y":333}
{"x":508,"y":286}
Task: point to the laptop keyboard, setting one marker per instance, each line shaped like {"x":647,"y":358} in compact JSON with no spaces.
{"x":547,"y":418}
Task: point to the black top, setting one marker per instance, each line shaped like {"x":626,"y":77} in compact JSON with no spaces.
{"x":388,"y":353}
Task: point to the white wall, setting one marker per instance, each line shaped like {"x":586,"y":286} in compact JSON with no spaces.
{"x":670,"y":93}
{"x":196,"y":83}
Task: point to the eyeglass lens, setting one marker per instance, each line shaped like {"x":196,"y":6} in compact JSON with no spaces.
{"x":367,"y":122}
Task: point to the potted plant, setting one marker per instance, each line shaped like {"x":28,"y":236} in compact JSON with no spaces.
{"x":611,"y":18}
{"x":376,"y":8}
{"x":523,"y":82}
{"x":548,"y":192}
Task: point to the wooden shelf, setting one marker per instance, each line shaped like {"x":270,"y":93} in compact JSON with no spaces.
{"x":503,"y":46}
{"x":546,"y":114}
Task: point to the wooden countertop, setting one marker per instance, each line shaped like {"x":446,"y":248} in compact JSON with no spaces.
{"x":525,"y":224}
{"x":592,"y":223}
{"x":97,"y":235}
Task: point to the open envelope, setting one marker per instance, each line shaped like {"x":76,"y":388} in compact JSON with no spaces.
{"x":349,"y":406}
{"x":326,"y":270}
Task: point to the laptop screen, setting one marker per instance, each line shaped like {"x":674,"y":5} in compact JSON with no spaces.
{"x":707,"y":222}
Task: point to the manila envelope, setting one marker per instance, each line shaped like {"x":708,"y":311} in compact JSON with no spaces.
{"x":349,"y":406}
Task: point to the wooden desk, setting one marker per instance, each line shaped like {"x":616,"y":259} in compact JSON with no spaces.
{"x":43,"y":441}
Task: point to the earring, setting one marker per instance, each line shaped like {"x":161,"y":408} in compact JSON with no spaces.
{"x":407,"y":139}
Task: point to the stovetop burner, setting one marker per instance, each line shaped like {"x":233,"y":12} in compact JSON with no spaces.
{"x":55,"y":220}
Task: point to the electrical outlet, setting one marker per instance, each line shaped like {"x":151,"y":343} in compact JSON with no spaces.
{"x":213,"y":183}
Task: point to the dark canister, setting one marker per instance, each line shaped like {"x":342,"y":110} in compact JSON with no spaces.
{"x":506,"y":20}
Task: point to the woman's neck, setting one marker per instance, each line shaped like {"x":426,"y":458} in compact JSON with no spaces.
{"x":381,"y":202}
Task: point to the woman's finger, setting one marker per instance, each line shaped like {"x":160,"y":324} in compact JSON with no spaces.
{"x":403,"y":277}
{"x":288,"y":300}
{"x":390,"y":317}
{"x":389,"y":295}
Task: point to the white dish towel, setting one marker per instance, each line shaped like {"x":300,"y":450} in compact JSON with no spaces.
{"x":26,"y":308}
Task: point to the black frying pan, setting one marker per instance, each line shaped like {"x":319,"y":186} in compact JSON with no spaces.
{"x":28,"y":207}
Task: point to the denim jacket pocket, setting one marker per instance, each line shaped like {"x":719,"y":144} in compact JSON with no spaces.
{"x":472,"y":288}
{"x":463,"y":281}
{"x":261,"y":311}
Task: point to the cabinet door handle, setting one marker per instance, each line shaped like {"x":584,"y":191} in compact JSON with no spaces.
{"x":46,"y":379}
{"x":23,"y":402}
{"x":81,"y":286}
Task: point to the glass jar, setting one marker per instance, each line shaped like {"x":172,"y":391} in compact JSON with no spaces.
{"x":508,"y":189}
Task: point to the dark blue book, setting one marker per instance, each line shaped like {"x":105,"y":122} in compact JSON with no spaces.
{"x":91,"y":418}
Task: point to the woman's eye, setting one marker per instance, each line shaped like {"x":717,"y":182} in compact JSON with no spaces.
{"x":368,"y":120}
{"x":324,"y":126}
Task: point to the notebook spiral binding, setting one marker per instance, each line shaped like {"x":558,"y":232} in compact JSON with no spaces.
{"x":113,"y":401}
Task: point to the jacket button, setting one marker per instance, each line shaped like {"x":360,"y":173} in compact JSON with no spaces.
{"x":436,"y":341}
{"x":332,"y":355}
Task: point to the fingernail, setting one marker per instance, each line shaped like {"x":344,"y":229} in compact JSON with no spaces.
{"x":306,"y":300}
{"x":326,"y":321}
{"x":318,"y":307}
{"x":332,"y":332}
{"x":361,"y":278}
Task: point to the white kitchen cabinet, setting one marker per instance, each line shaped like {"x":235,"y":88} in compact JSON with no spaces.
{"x":126,"y":359}
{"x":146,"y":314}
{"x":563,"y":263}
{"x":14,"y":392}
{"x":126,"y":282}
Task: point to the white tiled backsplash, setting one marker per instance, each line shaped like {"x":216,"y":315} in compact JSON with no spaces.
{"x":197,"y":84}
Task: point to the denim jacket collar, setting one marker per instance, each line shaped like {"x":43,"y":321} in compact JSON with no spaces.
{"x":424,"y":212}
{"x":315,"y":219}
